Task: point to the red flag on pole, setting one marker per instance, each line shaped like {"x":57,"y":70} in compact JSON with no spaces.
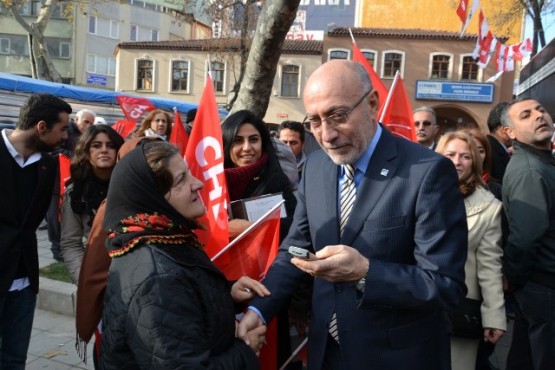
{"x":179,"y":136}
{"x":461,"y":10}
{"x":397,"y":112}
{"x":134,"y":108}
{"x":377,"y":83}
{"x":124,"y":127}
{"x":205,"y":157}
{"x":251,"y":254}
{"x":64,"y":163}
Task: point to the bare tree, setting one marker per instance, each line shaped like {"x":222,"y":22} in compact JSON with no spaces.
{"x":41,"y":62}
{"x":272,"y":27}
{"x":535,"y":9}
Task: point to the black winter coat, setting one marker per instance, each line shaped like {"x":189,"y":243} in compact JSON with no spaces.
{"x":170,"y":308}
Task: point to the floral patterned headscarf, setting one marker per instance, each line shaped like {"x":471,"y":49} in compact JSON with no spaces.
{"x":137,"y":213}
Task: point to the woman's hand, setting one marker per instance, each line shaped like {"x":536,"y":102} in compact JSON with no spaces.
{"x":245,"y":288}
{"x":256,"y":338}
{"x":492,"y":335}
{"x":237,"y":226}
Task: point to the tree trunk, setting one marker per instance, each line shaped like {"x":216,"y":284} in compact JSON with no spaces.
{"x":272,"y":27}
{"x":39,"y":57}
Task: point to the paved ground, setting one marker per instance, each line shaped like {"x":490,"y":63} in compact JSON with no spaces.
{"x":53,"y":337}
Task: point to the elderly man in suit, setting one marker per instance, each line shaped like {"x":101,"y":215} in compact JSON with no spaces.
{"x":26,"y":190}
{"x":386,"y":270}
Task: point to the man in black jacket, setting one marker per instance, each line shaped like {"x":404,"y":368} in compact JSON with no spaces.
{"x":26,"y":188}
{"x":528,"y":189}
{"x":499,"y":141}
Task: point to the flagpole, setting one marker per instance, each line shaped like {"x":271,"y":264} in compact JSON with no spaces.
{"x":295,"y":353}
{"x":352,"y":37}
{"x":255,"y":224}
{"x":389,"y":96}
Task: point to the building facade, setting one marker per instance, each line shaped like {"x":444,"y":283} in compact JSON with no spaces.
{"x":178,"y":70}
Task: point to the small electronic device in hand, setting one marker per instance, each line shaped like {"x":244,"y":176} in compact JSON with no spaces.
{"x":301,"y":253}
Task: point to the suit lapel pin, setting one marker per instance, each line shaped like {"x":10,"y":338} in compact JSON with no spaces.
{"x":384,"y":172}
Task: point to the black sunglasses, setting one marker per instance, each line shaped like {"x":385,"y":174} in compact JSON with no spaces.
{"x":425,"y":123}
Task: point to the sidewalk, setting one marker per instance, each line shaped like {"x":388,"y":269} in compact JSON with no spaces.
{"x":53,"y":337}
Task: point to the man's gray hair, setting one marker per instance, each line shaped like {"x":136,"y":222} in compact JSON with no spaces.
{"x":85,"y":111}
{"x":427,"y":109}
{"x":362,"y":75}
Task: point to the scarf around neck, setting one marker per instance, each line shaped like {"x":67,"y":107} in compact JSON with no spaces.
{"x":239,"y":178}
{"x":137,"y":213}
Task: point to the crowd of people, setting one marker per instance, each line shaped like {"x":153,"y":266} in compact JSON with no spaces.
{"x":418,"y":253}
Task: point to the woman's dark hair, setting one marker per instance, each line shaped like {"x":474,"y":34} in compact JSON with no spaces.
{"x":158,"y":155}
{"x":81,"y":168}
{"x":145,"y":125}
{"x":231,"y":126}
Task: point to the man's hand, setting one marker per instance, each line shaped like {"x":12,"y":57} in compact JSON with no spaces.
{"x":249,"y":322}
{"x":335,"y":263}
{"x":245,"y":288}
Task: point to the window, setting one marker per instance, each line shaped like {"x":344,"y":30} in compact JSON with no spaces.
{"x":338,"y":54}
{"x":101,"y":65}
{"x":36,"y":5}
{"x":180,"y":75}
{"x":114,"y":29}
{"x":134,"y":32}
{"x":4,"y":46}
{"x":65,"y":50}
{"x":91,"y":63}
{"x":441,"y":66}
{"x":111,"y":66}
{"x":92,"y":24}
{"x":392,"y":62}
{"x":370,"y":57}
{"x":469,"y":69}
{"x":144,"y":74}
{"x":218,"y":75}
{"x":153,"y":35}
{"x":290,"y":81}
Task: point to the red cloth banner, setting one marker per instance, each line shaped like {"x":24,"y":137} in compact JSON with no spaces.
{"x":179,"y":136}
{"x":134,"y":108}
{"x":397,"y":116}
{"x":124,"y":127}
{"x":64,"y":163}
{"x":205,"y":157}
{"x":377,"y":83}
{"x":461,"y":10}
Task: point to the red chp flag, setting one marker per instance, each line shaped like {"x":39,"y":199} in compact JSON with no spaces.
{"x":64,"y":163}
{"x":397,"y":115}
{"x":377,"y":84}
{"x":205,"y":157}
{"x":134,"y":108}
{"x":461,"y":10}
{"x":124,"y":127}
{"x":251,"y":254}
{"x":179,"y":136}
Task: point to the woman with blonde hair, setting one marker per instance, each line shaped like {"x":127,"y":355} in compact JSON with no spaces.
{"x":483,"y":275}
{"x":157,"y":123}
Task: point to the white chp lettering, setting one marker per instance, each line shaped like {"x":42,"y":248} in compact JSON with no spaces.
{"x":212,"y":173}
{"x":138,"y":111}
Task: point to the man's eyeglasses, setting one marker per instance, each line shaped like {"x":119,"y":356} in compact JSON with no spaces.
{"x":424,"y":123}
{"x":335,"y":118}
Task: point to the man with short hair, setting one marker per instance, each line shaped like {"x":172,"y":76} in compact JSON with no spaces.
{"x":386,"y":222}
{"x":528,"y":200}
{"x":26,"y":190}
{"x":425,"y":123}
{"x":499,"y":141}
{"x":292,"y":133}
{"x":82,"y":121}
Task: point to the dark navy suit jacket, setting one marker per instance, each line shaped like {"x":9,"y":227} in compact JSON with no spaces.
{"x":409,"y":220}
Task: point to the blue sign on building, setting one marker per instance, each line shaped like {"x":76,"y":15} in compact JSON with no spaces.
{"x":454,"y":91}
{"x":94,"y":79}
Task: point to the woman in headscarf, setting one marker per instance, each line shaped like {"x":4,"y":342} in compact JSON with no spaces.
{"x":166,"y":304}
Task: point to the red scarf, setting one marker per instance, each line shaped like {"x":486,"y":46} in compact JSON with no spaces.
{"x":239,"y":178}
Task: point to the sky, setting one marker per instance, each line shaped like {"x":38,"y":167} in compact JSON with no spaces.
{"x":548,"y":21}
